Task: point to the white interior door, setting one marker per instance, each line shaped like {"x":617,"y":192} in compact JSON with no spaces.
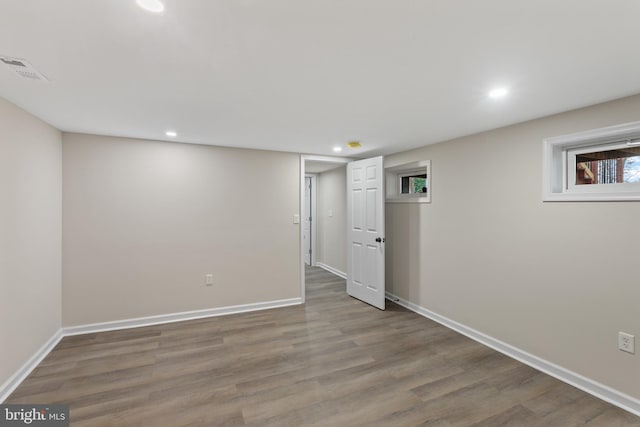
{"x":307,"y":220}
{"x":365,"y":231}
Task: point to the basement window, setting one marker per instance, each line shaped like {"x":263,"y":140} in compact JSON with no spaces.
{"x":412,"y":183}
{"x":605,"y":168}
{"x":409,"y":183}
{"x":601,"y":164}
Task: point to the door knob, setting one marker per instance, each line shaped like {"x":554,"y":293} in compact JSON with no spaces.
{"x":380,"y":239}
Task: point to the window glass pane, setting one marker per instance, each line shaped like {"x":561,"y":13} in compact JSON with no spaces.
{"x":414,"y":184}
{"x":632,"y":169}
{"x":419,"y":185}
{"x":608,"y":166}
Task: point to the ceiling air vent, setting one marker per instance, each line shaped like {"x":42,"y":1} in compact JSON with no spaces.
{"x":23,"y":68}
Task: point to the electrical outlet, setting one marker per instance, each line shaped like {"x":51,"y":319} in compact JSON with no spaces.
{"x":208,"y":279}
{"x":626,"y":342}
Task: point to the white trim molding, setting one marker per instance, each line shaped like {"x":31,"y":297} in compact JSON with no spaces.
{"x":176,"y":317}
{"x":328,"y":159}
{"x":555,"y":186}
{"x":16,"y":379}
{"x":314,"y":227}
{"x":332,"y":270}
{"x":601,"y":391}
{"x":300,"y":211}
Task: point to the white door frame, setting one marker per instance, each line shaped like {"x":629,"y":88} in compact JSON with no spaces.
{"x":314,"y":211}
{"x":303,"y":157}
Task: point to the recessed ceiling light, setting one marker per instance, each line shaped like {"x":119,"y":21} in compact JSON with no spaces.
{"x":498,"y":92}
{"x":171,"y":133}
{"x":337,"y":149}
{"x":154,"y":6}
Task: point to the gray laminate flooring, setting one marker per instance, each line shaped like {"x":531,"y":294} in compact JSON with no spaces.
{"x":332,"y":362}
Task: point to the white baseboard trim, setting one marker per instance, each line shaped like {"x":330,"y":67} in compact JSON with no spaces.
{"x":16,"y":379}
{"x":176,"y":317}
{"x":332,"y":270}
{"x":585,"y":384}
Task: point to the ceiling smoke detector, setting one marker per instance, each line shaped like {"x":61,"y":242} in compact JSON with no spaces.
{"x":23,"y":68}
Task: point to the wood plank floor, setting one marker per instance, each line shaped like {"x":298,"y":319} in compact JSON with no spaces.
{"x":333,"y":362}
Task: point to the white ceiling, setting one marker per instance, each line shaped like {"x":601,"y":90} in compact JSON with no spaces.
{"x":303,"y":76}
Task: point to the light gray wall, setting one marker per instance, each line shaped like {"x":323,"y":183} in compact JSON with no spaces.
{"x":558,"y":280}
{"x":144,"y":221}
{"x":332,"y":241}
{"x":30,"y":236}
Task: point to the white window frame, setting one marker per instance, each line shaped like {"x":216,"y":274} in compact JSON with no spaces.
{"x":559,"y":165}
{"x":394,"y":182}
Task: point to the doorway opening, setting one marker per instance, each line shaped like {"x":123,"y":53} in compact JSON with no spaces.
{"x":311,"y":167}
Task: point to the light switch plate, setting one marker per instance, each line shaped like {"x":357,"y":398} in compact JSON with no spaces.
{"x":296,"y":219}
